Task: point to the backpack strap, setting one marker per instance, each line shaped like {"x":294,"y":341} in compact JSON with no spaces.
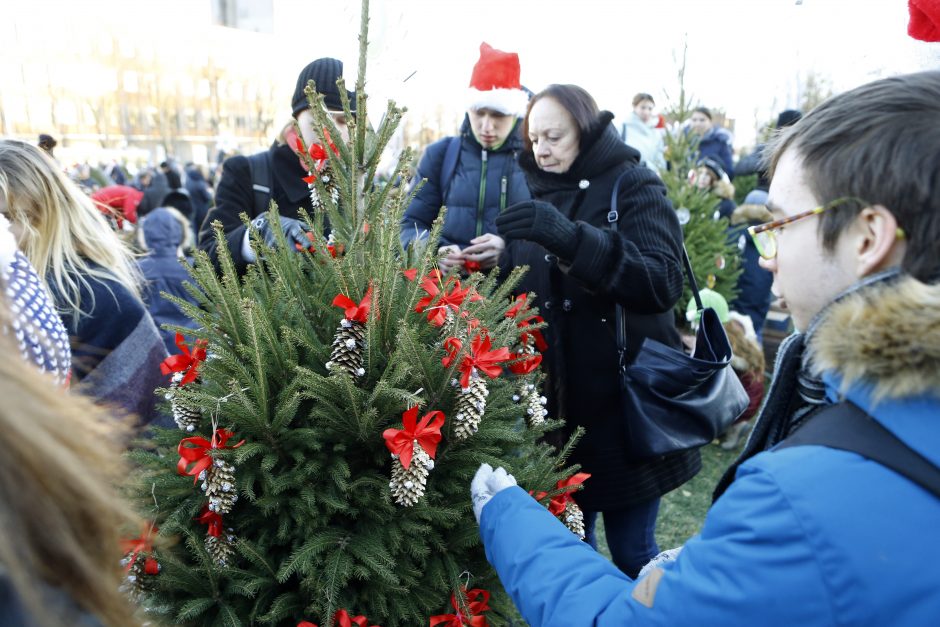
{"x":845,"y":426}
{"x":449,"y":165}
{"x":262,"y":181}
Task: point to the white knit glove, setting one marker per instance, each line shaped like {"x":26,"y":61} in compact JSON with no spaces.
{"x":663,"y":558}
{"x":486,"y":483}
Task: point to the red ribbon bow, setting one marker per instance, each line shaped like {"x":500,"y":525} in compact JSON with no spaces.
{"x":354,"y":312}
{"x":317,"y":152}
{"x":519,"y":311}
{"x":213,"y":519}
{"x":142,"y":545}
{"x":477,"y":602}
{"x":196,"y":449}
{"x":411,"y":273}
{"x":557,"y":505}
{"x":343,"y":619}
{"x":481,"y":357}
{"x":427,"y":433}
{"x":527,"y":364}
{"x":453,"y":299}
{"x":188,"y":361}
{"x":472,"y":266}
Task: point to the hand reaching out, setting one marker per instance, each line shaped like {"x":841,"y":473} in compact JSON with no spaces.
{"x":485,"y":250}
{"x":449,"y":257}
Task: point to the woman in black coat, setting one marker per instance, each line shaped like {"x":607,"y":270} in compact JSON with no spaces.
{"x":579,"y":269}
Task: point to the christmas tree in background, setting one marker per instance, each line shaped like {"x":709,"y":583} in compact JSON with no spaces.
{"x":715,"y":261}
{"x":333,"y":407}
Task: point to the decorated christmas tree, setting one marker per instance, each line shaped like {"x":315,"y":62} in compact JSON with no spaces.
{"x":715,"y":260}
{"x":332,"y":408}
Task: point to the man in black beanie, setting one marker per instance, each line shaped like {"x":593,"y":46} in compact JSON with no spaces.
{"x":248,"y":184}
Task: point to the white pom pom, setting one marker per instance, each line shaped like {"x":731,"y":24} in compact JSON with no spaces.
{"x":409,"y":484}
{"x":350,"y":343}
{"x":515,"y":398}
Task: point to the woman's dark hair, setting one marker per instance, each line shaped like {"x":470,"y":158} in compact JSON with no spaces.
{"x":640,"y":97}
{"x":877,"y":142}
{"x":704,"y":111}
{"x":576,"y":101}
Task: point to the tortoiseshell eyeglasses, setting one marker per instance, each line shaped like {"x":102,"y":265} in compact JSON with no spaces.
{"x":765,"y":238}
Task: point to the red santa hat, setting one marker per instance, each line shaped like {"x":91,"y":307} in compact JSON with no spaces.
{"x":495,"y":84}
{"x":925,"y":20}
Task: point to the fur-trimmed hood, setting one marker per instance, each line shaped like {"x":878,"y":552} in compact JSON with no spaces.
{"x":886,"y":335}
{"x":751,"y":214}
{"x":723,"y":189}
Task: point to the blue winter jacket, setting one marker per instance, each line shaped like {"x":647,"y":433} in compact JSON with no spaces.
{"x":163,"y":272}
{"x":716,"y":143}
{"x":485,"y":182}
{"x":803,"y":536}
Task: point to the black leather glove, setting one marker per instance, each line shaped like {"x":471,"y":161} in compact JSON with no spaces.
{"x":295,"y":231}
{"x":538,"y":221}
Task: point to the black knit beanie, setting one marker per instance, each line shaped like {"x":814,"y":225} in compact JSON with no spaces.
{"x":324,"y":72}
{"x":788,"y":118}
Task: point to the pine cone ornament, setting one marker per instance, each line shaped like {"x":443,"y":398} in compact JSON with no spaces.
{"x":219,"y":485}
{"x":573,"y":518}
{"x":471,"y":403}
{"x":408,"y":484}
{"x":186,"y":418}
{"x":347,"y":348}
{"x":533,"y":402}
{"x":138,"y":581}
{"x":221,"y":547}
{"x":326,"y":177}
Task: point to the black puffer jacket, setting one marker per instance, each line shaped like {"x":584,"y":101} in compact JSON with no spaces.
{"x":638,"y":266}
{"x":235,"y":195}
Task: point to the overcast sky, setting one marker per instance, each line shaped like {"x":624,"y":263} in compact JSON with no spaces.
{"x":746,"y":56}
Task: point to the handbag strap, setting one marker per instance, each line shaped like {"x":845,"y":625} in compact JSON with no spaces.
{"x":620,"y":318}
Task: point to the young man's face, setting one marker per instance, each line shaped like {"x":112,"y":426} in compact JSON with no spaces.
{"x":306,"y":122}
{"x":491,"y":128}
{"x":805,"y":276}
{"x":700,"y":123}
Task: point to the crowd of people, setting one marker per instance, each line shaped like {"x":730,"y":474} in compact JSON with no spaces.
{"x":807,"y":526}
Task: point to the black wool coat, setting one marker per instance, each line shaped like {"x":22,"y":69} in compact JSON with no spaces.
{"x":236,"y":196}
{"x":638,"y":265}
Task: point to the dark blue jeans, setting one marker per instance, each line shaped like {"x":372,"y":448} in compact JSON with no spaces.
{"x":630,"y":535}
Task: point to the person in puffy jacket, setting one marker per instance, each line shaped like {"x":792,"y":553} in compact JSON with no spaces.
{"x":804,"y":534}
{"x":284,"y":185}
{"x":475,"y":175}
{"x":165,"y":233}
{"x":713,"y":141}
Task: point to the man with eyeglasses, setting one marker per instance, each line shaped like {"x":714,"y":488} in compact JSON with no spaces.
{"x":248,"y":184}
{"x":831,"y":514}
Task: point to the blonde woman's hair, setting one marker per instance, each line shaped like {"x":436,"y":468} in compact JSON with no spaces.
{"x":185,"y":244}
{"x":60,"y":509}
{"x":60,"y":230}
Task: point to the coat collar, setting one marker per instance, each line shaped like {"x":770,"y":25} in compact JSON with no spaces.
{"x":601,"y":149}
{"x":884,"y":336}
{"x":289,"y":174}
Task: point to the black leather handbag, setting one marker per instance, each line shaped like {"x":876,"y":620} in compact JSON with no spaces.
{"x":673,"y":401}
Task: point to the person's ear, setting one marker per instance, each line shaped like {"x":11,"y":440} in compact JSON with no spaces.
{"x":880,"y":242}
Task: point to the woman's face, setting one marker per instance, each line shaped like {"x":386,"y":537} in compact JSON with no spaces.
{"x":554,"y":135}
{"x":700,"y":123}
{"x":644,"y":110}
